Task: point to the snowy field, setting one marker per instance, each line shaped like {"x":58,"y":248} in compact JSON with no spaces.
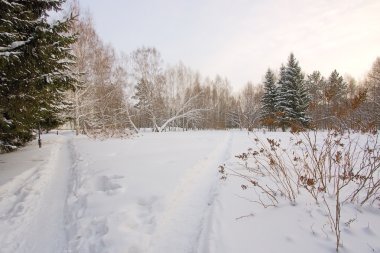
{"x":158,"y":192}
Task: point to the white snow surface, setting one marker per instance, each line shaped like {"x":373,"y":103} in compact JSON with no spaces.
{"x":156,"y":192}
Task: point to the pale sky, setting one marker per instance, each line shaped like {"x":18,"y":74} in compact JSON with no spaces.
{"x":240,"y":39}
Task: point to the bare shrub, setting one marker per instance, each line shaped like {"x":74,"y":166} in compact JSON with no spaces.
{"x":107,"y":133}
{"x":335,"y":167}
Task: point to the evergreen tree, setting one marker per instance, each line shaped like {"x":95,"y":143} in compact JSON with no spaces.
{"x":149,"y":103}
{"x":280,"y":98}
{"x":143,"y":95}
{"x":292,"y":98}
{"x":336,"y":88}
{"x":315,"y":84}
{"x":268,"y":101}
{"x":34,"y":68}
{"x":336,"y":96}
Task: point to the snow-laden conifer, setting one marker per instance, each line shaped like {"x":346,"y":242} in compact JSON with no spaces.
{"x":269,"y":109}
{"x":35,"y":61}
{"x":293,"y":99}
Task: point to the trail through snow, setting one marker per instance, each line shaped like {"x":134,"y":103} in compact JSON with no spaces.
{"x":81,"y":195}
{"x":33,"y":203}
{"x":149,"y":194}
{"x":181,"y":225}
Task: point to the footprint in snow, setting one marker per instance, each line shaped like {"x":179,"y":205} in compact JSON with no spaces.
{"x":368,"y":231}
{"x":107,"y":184}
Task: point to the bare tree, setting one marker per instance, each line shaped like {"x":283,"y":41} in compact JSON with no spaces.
{"x":98,"y":100}
{"x":250,"y":105}
{"x":164,"y":97}
{"x":83,"y":49}
{"x":372,"y":83}
{"x":150,"y":84}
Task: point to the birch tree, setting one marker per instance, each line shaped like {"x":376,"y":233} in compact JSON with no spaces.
{"x":251,"y":106}
{"x":99,"y":107}
{"x":373,"y":85}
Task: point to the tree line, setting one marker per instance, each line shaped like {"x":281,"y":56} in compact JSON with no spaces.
{"x":56,"y":71}
{"x":293,"y":100}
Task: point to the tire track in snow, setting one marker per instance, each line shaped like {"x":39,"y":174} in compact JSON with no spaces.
{"x":181,"y":226}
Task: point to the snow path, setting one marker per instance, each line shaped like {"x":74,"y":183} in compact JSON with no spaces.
{"x":34,"y":203}
{"x":135,"y":195}
{"x":183,"y":224}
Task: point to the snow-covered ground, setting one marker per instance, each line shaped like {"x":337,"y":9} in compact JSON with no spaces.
{"x":157,"y":192}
